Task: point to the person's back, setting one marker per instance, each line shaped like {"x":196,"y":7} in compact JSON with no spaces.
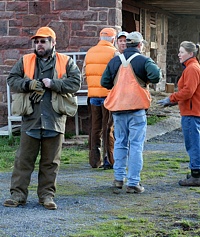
{"x":96,"y":61}
{"x":101,"y":130}
{"x":129,"y":92}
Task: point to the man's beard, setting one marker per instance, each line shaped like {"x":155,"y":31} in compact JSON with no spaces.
{"x":44,"y":54}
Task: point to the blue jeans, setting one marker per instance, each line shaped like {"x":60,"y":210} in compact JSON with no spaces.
{"x":191,"y":132}
{"x":129,"y":131}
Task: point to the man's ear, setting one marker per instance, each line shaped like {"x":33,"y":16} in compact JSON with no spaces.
{"x":140,"y":45}
{"x":113,"y":40}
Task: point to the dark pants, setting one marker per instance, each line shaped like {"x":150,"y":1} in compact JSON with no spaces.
{"x":101,"y":139}
{"x":50,"y":152}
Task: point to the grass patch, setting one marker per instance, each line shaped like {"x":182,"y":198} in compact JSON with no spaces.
{"x":133,"y":227}
{"x":8,"y":149}
{"x":159,"y":163}
{"x":70,"y":155}
{"x":151,"y":120}
{"x":74,"y":155}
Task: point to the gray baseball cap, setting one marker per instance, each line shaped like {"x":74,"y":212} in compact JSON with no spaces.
{"x":135,"y":37}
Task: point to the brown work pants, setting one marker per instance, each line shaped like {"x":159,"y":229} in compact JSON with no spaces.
{"x":101,"y":139}
{"x":50,"y":152}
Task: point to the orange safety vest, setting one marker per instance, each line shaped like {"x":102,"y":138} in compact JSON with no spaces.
{"x":29,"y":64}
{"x":127,"y":93}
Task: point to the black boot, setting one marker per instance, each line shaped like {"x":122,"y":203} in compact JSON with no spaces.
{"x":195,"y":173}
{"x":106,"y":164}
{"x":193,"y":180}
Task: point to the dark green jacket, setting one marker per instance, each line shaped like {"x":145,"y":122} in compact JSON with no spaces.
{"x":144,"y":68}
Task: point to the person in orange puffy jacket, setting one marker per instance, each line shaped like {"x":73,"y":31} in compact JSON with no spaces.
{"x":101,"y":140}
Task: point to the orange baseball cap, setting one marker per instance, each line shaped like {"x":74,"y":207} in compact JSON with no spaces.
{"x":109,"y":32}
{"x":45,"y":32}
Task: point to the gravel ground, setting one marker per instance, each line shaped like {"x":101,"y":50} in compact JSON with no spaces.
{"x":170,"y":141}
{"x":92,"y":198}
{"x":74,"y":212}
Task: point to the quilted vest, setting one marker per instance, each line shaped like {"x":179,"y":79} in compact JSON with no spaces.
{"x":96,"y":61}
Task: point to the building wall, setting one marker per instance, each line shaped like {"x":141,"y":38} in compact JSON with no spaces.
{"x":156,"y":34}
{"x":180,"y":29}
{"x":77,"y":25}
{"x":154,"y":27}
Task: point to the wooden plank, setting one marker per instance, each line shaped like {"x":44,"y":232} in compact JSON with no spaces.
{"x":175,"y":7}
{"x":4,"y":130}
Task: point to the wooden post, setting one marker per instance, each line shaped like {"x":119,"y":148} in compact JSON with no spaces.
{"x":169,"y":87}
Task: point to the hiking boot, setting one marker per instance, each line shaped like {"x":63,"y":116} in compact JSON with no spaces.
{"x":48,"y":203}
{"x":117,"y":186}
{"x":107,"y":167}
{"x":191,"y":181}
{"x":135,"y":189}
{"x":13,"y":203}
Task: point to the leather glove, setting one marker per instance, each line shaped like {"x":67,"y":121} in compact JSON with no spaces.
{"x":36,"y":96}
{"x":35,"y":85}
{"x":166,"y":102}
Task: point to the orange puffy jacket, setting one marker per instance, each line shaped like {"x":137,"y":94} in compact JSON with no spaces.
{"x":96,"y":61}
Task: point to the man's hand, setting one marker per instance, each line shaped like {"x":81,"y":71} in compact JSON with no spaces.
{"x":47,"y":82}
{"x":35,"y":85}
{"x":36,"y":96}
{"x":166,"y":102}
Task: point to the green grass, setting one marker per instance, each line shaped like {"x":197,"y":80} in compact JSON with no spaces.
{"x":74,"y":155}
{"x":151,"y":120}
{"x":70,"y":155}
{"x":8,"y":149}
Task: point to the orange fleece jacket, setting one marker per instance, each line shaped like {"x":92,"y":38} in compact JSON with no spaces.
{"x":188,"y":95}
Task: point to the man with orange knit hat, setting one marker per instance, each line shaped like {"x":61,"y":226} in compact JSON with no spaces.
{"x":101,"y":140}
{"x":43,"y":77}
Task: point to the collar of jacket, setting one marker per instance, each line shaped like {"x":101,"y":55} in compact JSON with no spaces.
{"x":189,"y":60}
{"x":105,"y":42}
{"x":132,"y":50}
